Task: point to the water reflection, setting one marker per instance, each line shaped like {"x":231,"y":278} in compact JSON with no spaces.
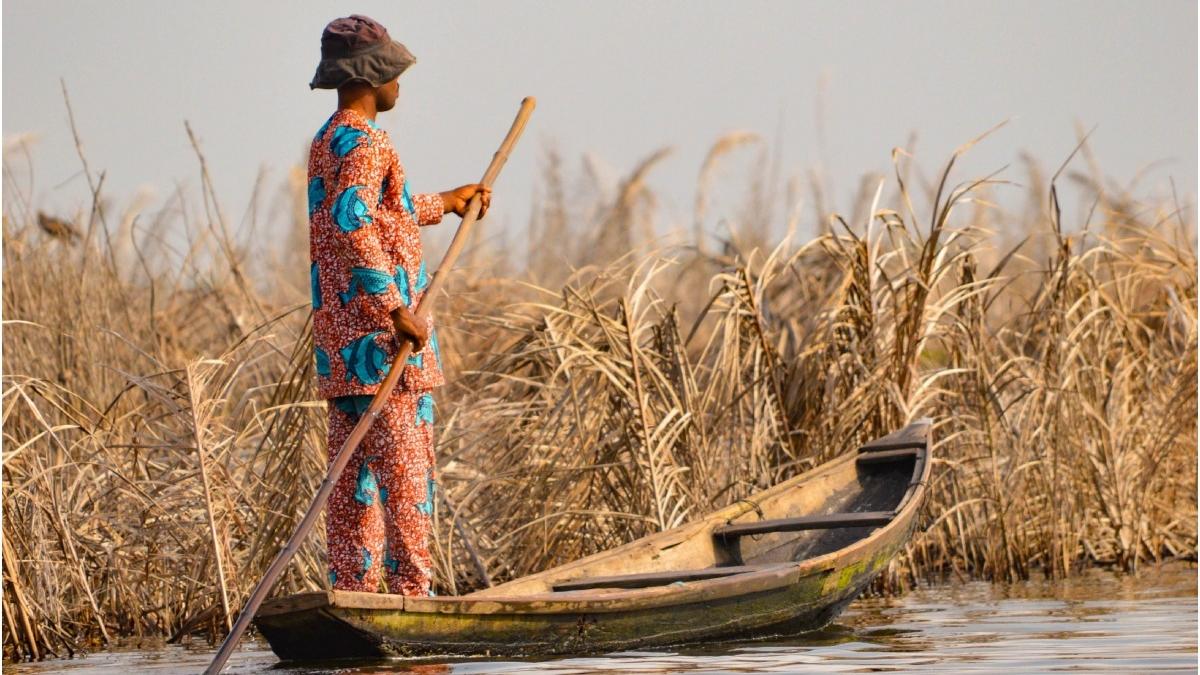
{"x":1098,"y":622}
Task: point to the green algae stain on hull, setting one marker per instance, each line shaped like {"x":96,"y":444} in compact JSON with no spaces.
{"x":860,"y":573}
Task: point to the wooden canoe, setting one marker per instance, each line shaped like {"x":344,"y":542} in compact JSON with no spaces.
{"x":785,"y":560}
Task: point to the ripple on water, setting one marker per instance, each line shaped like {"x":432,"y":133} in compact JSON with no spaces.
{"x":1099,"y":622}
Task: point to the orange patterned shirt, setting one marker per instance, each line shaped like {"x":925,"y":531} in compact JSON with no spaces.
{"x":366,"y":258}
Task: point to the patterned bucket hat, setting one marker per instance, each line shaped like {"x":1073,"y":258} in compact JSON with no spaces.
{"x":357,"y":47}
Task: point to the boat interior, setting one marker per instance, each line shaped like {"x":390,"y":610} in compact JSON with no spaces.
{"x":819,"y":512}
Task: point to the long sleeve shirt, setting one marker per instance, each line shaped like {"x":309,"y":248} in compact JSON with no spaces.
{"x":366,"y":258}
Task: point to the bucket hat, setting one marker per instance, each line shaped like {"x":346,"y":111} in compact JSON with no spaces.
{"x":357,"y":47}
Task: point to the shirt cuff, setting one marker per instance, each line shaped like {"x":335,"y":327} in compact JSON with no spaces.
{"x":388,"y":301}
{"x":429,"y":207}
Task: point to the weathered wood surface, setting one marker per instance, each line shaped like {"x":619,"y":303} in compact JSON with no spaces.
{"x":869,"y":519}
{"x":526,"y":616}
{"x":915,"y":435}
{"x":657,"y":578}
{"x":296,"y":603}
{"x":886,"y":456}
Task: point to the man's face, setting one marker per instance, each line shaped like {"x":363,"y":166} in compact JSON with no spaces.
{"x":386,"y":95}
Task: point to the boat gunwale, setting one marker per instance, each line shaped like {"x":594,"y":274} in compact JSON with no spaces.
{"x":619,"y":600}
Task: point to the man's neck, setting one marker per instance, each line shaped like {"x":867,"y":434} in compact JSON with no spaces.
{"x":363,"y":105}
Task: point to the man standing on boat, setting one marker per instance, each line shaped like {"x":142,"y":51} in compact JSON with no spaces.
{"x":368,"y":274}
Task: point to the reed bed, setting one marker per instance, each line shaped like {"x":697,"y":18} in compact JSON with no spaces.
{"x":162,"y":438}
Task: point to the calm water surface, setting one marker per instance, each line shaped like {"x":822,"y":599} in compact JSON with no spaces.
{"x":1097,"y":623}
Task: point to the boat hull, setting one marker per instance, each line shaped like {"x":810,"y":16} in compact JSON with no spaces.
{"x":808,"y":601}
{"x":802,"y":551}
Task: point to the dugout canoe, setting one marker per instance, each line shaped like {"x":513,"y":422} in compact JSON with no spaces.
{"x":785,"y":560}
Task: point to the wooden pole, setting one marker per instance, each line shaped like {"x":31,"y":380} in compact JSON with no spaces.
{"x":381,"y":395}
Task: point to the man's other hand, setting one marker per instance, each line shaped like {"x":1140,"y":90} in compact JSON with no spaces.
{"x":457,"y":200}
{"x":409,"y":328}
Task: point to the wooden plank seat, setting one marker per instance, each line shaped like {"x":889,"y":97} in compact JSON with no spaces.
{"x":835,"y":520}
{"x":886,"y":456}
{"x":648,"y":579}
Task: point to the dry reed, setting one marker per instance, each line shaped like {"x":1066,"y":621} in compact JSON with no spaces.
{"x":162,"y":437}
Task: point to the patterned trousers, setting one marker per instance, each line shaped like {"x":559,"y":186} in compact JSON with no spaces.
{"x":380,"y":513}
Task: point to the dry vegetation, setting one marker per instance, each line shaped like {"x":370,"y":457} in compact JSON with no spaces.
{"x":161,"y":438}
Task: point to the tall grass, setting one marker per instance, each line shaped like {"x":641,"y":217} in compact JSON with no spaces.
{"x":162,"y":436}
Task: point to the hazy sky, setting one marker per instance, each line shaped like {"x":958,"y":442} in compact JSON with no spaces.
{"x":617,"y":80}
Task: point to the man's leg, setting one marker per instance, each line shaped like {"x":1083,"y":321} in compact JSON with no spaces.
{"x":408,"y":475}
{"x":354,"y":521}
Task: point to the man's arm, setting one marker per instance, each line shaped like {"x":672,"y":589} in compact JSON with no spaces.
{"x":429,"y":208}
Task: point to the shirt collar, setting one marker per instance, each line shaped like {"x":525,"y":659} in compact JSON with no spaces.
{"x":350,"y":112}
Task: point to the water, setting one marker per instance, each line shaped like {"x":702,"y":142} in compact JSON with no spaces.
{"x":1097,"y":623}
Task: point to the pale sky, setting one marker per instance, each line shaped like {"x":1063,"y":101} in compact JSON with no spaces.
{"x":616,"y":80}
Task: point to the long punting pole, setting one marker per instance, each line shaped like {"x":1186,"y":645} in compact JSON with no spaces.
{"x":385,"y":389}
